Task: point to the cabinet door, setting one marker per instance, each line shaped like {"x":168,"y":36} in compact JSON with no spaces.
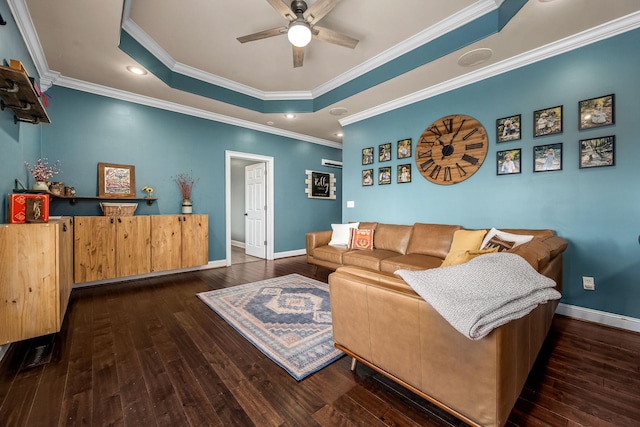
{"x":29,"y":299}
{"x":94,"y":246}
{"x":65,"y":263}
{"x":133,"y":245}
{"x":165,"y":242}
{"x":195,"y":240}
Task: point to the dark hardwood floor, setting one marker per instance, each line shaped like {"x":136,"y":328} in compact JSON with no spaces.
{"x":150,"y":353}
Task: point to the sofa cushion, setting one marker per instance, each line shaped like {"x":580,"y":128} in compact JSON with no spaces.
{"x":464,"y":241}
{"x":392,"y":237}
{"x":461,"y":257}
{"x":367,"y":225}
{"x":361,"y":239}
{"x":341,"y":233}
{"x":431,"y":239}
{"x":409,"y":262}
{"x":330,"y":253}
{"x":367,"y":259}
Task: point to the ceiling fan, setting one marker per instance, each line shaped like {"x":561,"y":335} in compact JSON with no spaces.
{"x":302,"y":27}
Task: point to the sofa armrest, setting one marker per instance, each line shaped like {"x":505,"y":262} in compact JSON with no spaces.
{"x":317,"y":239}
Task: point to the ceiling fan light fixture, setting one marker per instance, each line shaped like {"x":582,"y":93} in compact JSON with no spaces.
{"x":299,"y":33}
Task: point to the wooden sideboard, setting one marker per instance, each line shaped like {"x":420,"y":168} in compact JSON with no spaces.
{"x":35,"y":278}
{"x":113,"y":247}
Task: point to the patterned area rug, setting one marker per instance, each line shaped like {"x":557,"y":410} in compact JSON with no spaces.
{"x":287,"y":318}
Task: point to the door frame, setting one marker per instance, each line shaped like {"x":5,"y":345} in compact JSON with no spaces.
{"x":269,"y":222}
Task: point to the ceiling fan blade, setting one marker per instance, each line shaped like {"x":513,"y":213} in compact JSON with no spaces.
{"x":298,"y":56}
{"x":283,"y":9}
{"x":318,"y":10}
{"x":263,"y":34}
{"x":334,"y":37}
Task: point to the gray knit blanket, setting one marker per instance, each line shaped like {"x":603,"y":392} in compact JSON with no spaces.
{"x":484,"y":293}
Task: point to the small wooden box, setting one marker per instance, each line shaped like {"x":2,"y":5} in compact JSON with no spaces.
{"x":18,"y":207}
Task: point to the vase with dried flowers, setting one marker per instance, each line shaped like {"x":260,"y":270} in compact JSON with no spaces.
{"x":185,"y":184}
{"x":42,"y":172}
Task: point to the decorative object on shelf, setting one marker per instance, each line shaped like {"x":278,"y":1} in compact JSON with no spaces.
{"x":508,"y":128}
{"x":547,"y":121}
{"x":508,"y":161}
{"x":547,"y":157}
{"x":185,"y":184}
{"x":118,"y":209}
{"x":596,"y":112}
{"x":42,"y":172}
{"x":320,"y":185}
{"x":116,"y":181}
{"x":57,"y":188}
{"x":18,"y":207}
{"x":404,"y":148}
{"x":21,"y":95}
{"x":451,"y":149}
{"x":597,"y":152}
{"x":69,"y":191}
{"x":149,"y":191}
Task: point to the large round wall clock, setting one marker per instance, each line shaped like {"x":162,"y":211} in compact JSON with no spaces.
{"x":451,"y":149}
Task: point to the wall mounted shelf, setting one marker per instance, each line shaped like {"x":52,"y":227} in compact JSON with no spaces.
{"x":74,"y":199}
{"x":18,"y":94}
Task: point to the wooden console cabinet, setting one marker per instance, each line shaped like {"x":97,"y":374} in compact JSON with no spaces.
{"x":111,"y":247}
{"x":35,"y":278}
{"x":179,"y":241}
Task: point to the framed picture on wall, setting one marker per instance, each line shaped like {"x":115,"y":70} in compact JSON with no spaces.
{"x":367,"y":177}
{"x":596,"y":112}
{"x":367,"y":156}
{"x":384,"y":175}
{"x":384,"y":152}
{"x":404,"y":173}
{"x":547,"y":157}
{"x":508,"y":161}
{"x":597,"y":152}
{"x":547,"y":121}
{"x":404,"y":148}
{"x":508,"y":128}
{"x":116,"y":181}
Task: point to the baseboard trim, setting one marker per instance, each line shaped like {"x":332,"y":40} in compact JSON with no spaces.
{"x":602,"y":317}
{"x":237,"y":244}
{"x":288,"y":254}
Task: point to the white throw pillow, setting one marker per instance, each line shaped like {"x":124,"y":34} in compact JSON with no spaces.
{"x":518,"y":239}
{"x":342,"y":233}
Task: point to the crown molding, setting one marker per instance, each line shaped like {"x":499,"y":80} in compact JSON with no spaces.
{"x":95,"y":89}
{"x":587,"y":37}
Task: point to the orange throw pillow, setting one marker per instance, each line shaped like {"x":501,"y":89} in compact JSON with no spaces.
{"x":361,"y":239}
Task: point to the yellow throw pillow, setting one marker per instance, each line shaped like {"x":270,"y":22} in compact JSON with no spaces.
{"x":462,"y":257}
{"x":464,"y":240}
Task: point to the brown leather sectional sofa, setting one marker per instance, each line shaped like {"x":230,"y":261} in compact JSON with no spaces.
{"x":380,"y":321}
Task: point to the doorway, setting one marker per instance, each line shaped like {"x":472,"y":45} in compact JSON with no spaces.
{"x":233,"y":210}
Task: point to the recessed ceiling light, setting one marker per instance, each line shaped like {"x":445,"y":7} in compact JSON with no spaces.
{"x":475,"y":57}
{"x":290,"y":116}
{"x":339,"y":134}
{"x":271,"y":123}
{"x":338,"y":111}
{"x":137,"y":70}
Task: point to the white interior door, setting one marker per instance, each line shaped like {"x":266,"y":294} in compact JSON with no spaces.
{"x":255,"y":210}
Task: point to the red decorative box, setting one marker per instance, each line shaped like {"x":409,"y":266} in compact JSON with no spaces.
{"x":18,"y":208}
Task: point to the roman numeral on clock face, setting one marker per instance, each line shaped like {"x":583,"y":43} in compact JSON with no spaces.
{"x":434,"y":130}
{"x":426,"y":165}
{"x":461,"y":170}
{"x":474,"y":146}
{"x":469,"y":159}
{"x":448,"y":125}
{"x":426,"y":154}
{"x":435,"y":172}
{"x":467,"y":136}
{"x":425,"y":141}
{"x":447,"y":173}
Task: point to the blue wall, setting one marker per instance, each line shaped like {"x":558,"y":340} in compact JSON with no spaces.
{"x":87,"y":129}
{"x":597,"y":210}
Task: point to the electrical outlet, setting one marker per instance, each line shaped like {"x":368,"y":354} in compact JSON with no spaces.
{"x":588,"y":283}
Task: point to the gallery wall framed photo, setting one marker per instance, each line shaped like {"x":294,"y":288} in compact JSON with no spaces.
{"x":547,"y":121}
{"x":596,"y":112}
{"x":116,"y":181}
{"x":367,"y":156}
{"x":598,"y":152}
{"x":367,"y":177}
{"x":508,"y":128}
{"x":547,"y":157}
{"x":508,"y":162}
{"x":384,"y":175}
{"x":404,"y":148}
{"x":384,"y":152}
{"x":404,"y":173}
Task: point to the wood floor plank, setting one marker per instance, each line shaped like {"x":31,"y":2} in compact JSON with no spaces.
{"x":148,"y":352}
